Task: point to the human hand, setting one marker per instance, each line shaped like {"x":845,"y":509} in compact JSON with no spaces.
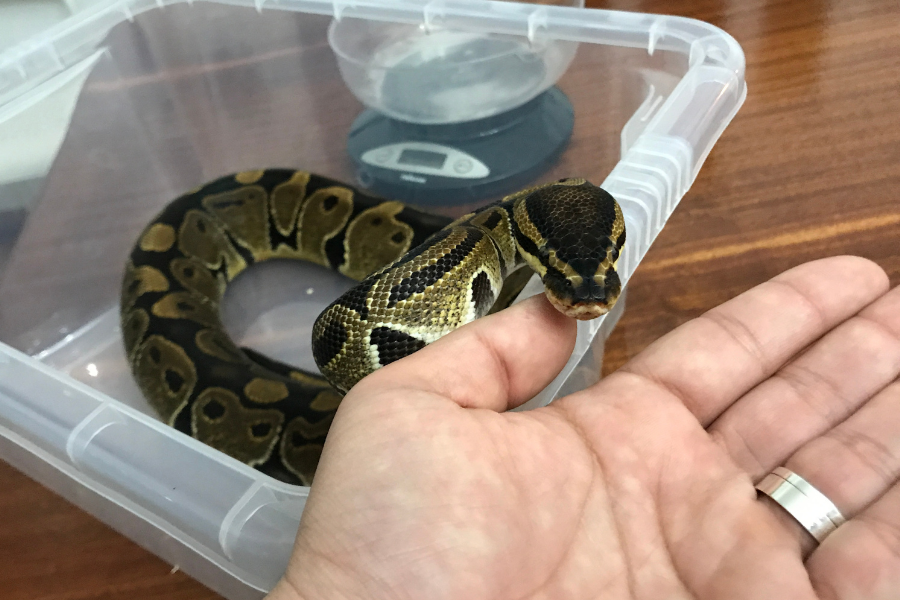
{"x":638,"y":487}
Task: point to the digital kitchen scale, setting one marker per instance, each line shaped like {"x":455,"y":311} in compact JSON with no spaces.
{"x":462,"y":162}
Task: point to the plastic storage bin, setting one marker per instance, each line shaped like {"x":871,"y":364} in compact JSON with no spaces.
{"x":180,"y":93}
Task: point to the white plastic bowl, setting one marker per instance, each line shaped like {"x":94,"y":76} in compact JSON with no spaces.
{"x":442,"y":76}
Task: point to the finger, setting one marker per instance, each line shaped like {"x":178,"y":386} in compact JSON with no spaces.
{"x":854,"y":463}
{"x":711,"y":361}
{"x":857,"y":461}
{"x":862,"y":558}
{"x":497,"y":362}
{"x":817,"y":391}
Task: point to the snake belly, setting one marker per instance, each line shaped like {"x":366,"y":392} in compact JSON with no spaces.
{"x":420,"y":277}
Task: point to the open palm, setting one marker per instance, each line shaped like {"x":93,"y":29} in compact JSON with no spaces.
{"x":638,"y":487}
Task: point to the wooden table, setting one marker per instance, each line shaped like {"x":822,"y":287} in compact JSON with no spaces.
{"x":809,"y":168}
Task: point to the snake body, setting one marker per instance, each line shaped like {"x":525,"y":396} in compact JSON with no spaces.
{"x":420,"y":276}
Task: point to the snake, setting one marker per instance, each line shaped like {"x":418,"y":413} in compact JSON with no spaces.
{"x":420,"y":276}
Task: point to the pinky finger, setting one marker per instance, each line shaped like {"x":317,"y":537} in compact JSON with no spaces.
{"x":862,"y":558}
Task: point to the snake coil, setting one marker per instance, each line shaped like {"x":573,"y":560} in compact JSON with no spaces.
{"x":420,"y":277}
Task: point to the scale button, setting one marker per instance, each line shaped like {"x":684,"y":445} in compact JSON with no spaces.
{"x":383,"y":155}
{"x":463,"y":165}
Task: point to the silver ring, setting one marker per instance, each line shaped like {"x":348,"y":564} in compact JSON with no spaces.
{"x":816,"y":513}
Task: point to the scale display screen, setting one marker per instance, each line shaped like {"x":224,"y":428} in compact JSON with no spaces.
{"x":422,"y":158}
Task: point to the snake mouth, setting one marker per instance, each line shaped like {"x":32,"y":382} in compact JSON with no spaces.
{"x":587,"y":299}
{"x":583,"y":311}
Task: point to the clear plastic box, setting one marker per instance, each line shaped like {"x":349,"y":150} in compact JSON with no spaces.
{"x":180,"y":93}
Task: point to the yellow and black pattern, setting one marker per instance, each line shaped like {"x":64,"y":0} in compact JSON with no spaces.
{"x":421,"y":277}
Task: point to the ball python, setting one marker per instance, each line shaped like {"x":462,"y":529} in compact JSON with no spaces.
{"x":420,"y":276}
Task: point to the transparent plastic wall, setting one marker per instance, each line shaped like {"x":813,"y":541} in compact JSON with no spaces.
{"x":180,"y":93}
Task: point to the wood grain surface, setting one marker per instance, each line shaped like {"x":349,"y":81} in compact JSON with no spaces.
{"x":809,"y":168}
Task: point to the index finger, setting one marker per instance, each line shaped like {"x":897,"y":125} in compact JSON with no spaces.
{"x":711,"y":361}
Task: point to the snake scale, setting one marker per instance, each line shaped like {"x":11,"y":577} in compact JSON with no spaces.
{"x":420,"y":277}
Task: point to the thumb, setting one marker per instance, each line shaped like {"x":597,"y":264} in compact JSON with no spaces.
{"x":497,"y":362}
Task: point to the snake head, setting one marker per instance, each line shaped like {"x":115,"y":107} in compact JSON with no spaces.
{"x":576,"y":232}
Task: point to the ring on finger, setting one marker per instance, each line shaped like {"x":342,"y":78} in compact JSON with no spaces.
{"x":810,"y":507}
